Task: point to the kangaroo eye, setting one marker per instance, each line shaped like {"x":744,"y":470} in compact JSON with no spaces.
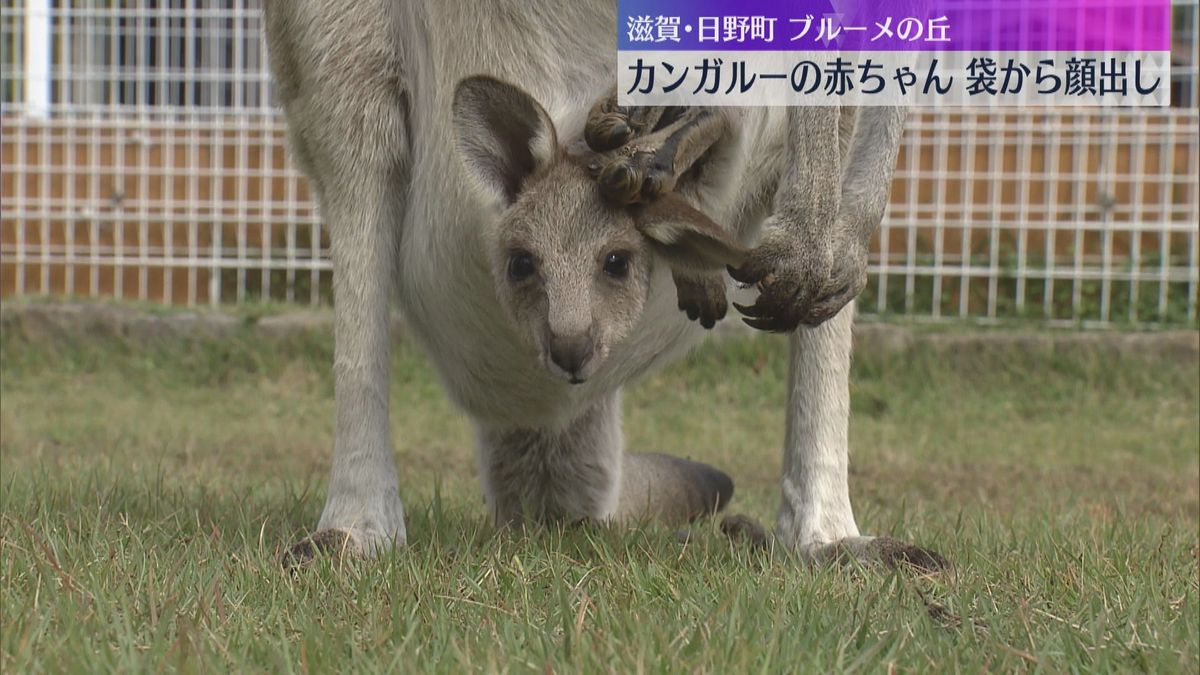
{"x":616,"y":265}
{"x":521,"y":266}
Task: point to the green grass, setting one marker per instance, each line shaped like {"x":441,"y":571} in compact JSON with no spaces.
{"x":1148,"y":304}
{"x":147,"y":491}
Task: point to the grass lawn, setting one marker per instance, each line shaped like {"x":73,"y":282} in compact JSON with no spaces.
{"x":146,"y":493}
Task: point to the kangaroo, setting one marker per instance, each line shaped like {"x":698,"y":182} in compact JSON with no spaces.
{"x":540,"y":281}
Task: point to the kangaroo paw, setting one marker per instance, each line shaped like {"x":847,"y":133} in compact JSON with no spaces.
{"x":336,"y":543}
{"x":609,"y":126}
{"x":643,"y":168}
{"x":639,"y":176}
{"x":745,"y":529}
{"x":885,"y":551}
{"x":702,"y":297}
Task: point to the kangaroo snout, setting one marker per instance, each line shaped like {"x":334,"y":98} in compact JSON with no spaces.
{"x":571,"y":353}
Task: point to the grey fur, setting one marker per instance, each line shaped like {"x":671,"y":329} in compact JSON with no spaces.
{"x":571,"y":474}
{"x":671,"y":489}
{"x":369,"y":91}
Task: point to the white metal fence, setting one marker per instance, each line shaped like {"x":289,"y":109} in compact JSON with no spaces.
{"x":142,"y":159}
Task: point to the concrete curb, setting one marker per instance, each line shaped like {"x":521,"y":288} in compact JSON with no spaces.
{"x":73,"y":321}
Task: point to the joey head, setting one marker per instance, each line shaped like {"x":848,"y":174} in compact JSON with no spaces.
{"x":572,"y":269}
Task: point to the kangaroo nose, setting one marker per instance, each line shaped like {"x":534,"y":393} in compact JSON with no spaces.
{"x":571,"y":353}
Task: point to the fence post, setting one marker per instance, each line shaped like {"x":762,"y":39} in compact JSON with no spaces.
{"x":37,"y":58}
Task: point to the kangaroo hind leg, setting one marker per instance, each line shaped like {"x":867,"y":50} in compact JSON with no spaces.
{"x":670,"y":489}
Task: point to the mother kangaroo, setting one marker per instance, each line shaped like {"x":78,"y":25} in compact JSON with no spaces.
{"x":535,"y":298}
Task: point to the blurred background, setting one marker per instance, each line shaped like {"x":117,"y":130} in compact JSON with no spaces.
{"x":143,"y":159}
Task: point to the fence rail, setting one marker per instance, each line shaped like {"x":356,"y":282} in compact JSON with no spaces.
{"x":142,"y":159}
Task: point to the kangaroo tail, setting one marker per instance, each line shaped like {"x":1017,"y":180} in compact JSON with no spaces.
{"x":670,"y":489}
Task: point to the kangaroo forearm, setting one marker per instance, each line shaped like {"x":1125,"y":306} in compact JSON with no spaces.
{"x":870,"y":164}
{"x":809,"y":193}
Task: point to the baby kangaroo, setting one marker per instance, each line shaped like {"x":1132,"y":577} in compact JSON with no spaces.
{"x":614,"y":207}
{"x":573,"y":267}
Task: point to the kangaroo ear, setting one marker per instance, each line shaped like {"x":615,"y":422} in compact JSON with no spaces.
{"x":687,"y":238}
{"x":502,"y":134}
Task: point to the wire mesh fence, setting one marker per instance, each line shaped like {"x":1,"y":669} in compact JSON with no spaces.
{"x":143,"y":159}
